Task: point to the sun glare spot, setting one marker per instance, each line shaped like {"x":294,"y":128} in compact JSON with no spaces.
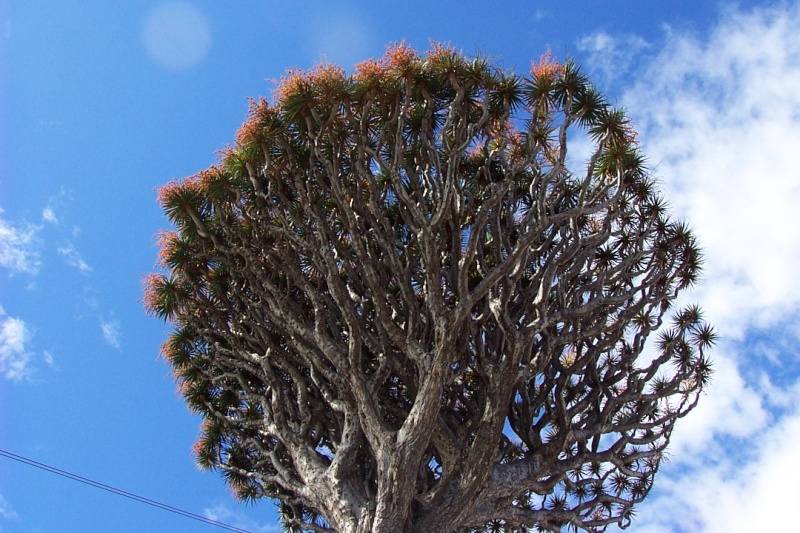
{"x":176,"y":35}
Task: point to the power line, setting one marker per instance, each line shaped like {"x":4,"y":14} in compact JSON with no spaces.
{"x":119,"y":492}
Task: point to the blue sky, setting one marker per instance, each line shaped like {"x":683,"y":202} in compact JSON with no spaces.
{"x":101,"y":102}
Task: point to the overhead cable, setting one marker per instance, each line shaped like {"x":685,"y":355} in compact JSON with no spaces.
{"x":119,"y":492}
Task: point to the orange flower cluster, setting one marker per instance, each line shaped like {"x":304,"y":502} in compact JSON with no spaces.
{"x":166,"y":240}
{"x":323,"y":77}
{"x":398,"y":60}
{"x":168,"y":191}
{"x":547,"y":67}
{"x":399,"y":56}
{"x":258,"y":114}
{"x":153,"y":284}
{"x":293,"y":82}
{"x":440,"y":52}
{"x":371,"y":71}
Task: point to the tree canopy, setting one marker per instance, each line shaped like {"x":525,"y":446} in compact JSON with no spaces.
{"x":401,"y":304}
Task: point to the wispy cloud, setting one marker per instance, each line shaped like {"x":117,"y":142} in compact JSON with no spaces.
{"x":610,"y":57}
{"x":719,"y":117}
{"x":18,"y":252}
{"x":48,"y":215}
{"x":73,"y":258}
{"x":15,"y":358}
{"x":232,"y":517}
{"x":112,"y":332}
{"x":57,"y":207}
{"x":6,"y":511}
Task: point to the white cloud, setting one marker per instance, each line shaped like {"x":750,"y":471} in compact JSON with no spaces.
{"x":15,"y":359}
{"x":17,"y":247}
{"x":112,"y":333}
{"x":751,"y":488}
{"x":719,"y":118}
{"x":742,"y":403}
{"x":73,"y":258}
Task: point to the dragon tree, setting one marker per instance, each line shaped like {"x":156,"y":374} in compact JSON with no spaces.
{"x":401,"y":304}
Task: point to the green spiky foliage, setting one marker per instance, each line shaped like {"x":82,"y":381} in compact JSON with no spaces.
{"x":400,"y":304}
